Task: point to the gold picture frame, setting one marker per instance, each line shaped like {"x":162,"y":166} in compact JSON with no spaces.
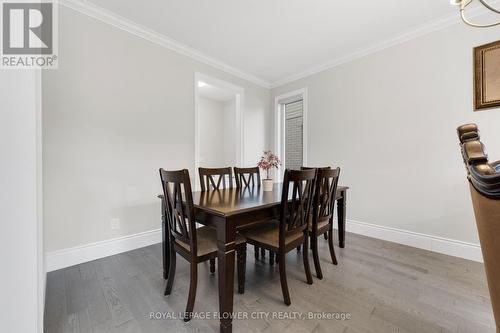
{"x":487,"y":76}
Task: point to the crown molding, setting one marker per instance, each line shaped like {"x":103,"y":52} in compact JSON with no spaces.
{"x":141,"y":31}
{"x":419,"y":31}
{"x":134,"y":28}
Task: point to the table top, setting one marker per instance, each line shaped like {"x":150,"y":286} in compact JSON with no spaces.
{"x":231,"y":201}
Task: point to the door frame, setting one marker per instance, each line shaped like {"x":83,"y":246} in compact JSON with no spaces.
{"x":239,"y":121}
{"x":279,"y":126}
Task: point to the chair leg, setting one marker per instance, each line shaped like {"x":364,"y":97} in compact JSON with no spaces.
{"x":171,"y":272}
{"x":305,"y":256}
{"x":212,"y":265}
{"x":241,"y":254}
{"x":330,"y":245}
{"x":192,"y":290}
{"x":256,"y":251}
{"x":277,"y":258}
{"x":263,"y":253}
{"x":284,"y":285}
{"x":298,"y":248}
{"x":271,"y":258}
{"x":325,"y":235}
{"x":317,"y":267}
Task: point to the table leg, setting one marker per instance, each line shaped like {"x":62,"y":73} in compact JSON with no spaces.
{"x":164,"y":241}
{"x":226,"y":234}
{"x":341,"y":216}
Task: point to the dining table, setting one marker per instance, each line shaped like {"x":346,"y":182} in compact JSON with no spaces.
{"x":228,"y":211}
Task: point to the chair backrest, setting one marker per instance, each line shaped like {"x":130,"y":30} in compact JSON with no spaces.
{"x":484,"y":184}
{"x":246,"y":177}
{"x":215,"y":178}
{"x":179,"y":206}
{"x":324,"y":195}
{"x":296,"y":201}
{"x":318,"y":168}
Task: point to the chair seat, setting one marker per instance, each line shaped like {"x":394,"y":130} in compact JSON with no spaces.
{"x":268,"y":234}
{"x":321,"y":224}
{"x":207,"y":241}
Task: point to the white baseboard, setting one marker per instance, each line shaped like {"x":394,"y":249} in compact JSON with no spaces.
{"x":80,"y":254}
{"x":76,"y":255}
{"x":422,"y":241}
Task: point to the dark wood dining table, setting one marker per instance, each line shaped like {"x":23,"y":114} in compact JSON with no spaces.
{"x":228,"y":211}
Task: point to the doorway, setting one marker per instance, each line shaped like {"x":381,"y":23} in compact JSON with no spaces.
{"x":218,"y":124}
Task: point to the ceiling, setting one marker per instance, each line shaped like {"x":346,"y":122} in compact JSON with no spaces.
{"x":276,"y":39}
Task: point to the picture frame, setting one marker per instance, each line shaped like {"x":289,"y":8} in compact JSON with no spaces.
{"x":487,"y":76}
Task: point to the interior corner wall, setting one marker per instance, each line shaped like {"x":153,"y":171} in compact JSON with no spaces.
{"x":389,"y":121}
{"x":118,"y":108}
{"x":212,"y":140}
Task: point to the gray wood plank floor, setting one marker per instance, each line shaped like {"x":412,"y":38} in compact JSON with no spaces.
{"x":385,"y":287}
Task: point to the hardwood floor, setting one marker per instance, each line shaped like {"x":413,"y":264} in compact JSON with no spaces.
{"x":385,"y":287}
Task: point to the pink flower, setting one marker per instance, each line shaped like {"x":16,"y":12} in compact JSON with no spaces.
{"x":263,"y":164}
{"x":269,"y":161}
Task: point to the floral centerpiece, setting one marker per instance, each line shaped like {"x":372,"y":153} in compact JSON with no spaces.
{"x":267,"y":162}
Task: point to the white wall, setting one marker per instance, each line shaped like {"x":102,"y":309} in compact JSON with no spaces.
{"x":230,"y":133}
{"x":22,"y":277}
{"x":217,"y":122}
{"x":389,"y":119}
{"x":118,"y":108}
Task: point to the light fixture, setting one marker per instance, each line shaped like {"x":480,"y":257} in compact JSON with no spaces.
{"x":202,"y":84}
{"x":465,"y":3}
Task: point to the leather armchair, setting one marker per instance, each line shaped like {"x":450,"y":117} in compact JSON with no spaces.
{"x":484,"y":183}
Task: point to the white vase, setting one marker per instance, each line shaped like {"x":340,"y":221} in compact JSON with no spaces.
{"x":267,"y":184}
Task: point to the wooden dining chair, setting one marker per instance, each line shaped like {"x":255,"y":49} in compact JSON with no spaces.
{"x":309,"y":168}
{"x":215,"y":178}
{"x":247,"y":177}
{"x":194,"y":245}
{"x":291,"y":230}
{"x":321,"y":219}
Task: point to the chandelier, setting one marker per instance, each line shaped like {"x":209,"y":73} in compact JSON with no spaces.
{"x":465,"y":3}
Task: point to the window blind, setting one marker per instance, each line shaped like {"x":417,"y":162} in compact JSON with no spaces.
{"x":294,"y":134}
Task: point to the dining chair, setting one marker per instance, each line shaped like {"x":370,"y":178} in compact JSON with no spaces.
{"x":309,"y":168}
{"x":321,"y":219}
{"x":215,"y":178}
{"x":291,"y":230}
{"x":194,"y":245}
{"x":246,"y":177}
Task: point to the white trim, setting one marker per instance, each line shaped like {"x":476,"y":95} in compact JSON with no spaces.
{"x":305,"y":125}
{"x":80,"y":254}
{"x":76,"y":255}
{"x":239,"y":93}
{"x":442,"y":245}
{"x":40,"y":275}
{"x":279,"y":135}
{"x":279,"y":126}
{"x":422,"y":30}
{"x":141,"y":31}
